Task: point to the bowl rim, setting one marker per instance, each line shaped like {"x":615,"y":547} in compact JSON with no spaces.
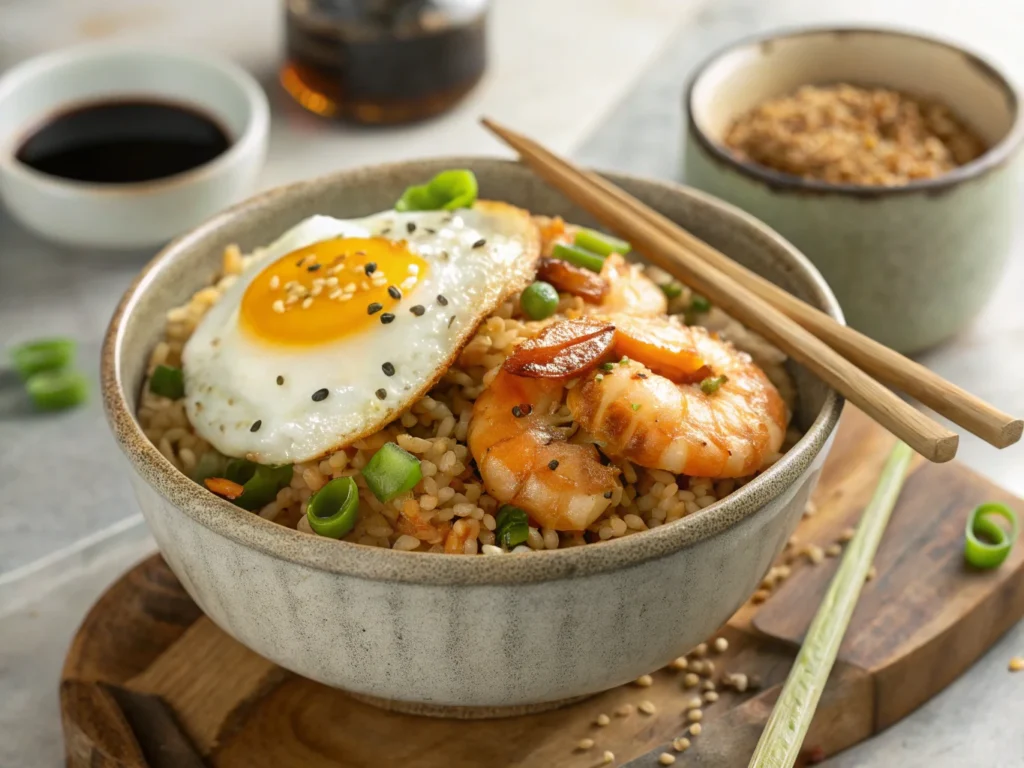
{"x":379,"y":564}
{"x":994,"y":157}
{"x":248,"y":141}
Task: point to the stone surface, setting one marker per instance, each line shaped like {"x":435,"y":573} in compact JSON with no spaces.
{"x":44,"y":289}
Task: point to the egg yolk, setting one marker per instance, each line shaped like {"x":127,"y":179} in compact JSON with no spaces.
{"x":329,"y":290}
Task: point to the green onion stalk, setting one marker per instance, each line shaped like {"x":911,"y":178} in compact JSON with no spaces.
{"x":783,"y":736}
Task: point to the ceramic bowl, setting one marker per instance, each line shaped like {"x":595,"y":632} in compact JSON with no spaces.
{"x":137,"y":214}
{"x":910,"y":265}
{"x":487,"y":633}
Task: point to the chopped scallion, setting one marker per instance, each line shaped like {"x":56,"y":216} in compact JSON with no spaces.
{"x":447,"y":191}
{"x":512,"y":527}
{"x":391,"y":472}
{"x":167,"y":382}
{"x":986,"y":543}
{"x":671,"y":290}
{"x":261,"y":482}
{"x":711,"y":384}
{"x":699,"y":304}
{"x":600,"y":243}
{"x":210,"y":464}
{"x":332,"y":511}
{"x":34,"y":357}
{"x":578,"y":256}
{"x":56,"y":390}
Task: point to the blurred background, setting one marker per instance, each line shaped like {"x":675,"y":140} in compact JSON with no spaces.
{"x":600,"y":80}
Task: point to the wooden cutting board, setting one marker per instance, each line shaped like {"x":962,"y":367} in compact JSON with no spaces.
{"x":150,"y":681}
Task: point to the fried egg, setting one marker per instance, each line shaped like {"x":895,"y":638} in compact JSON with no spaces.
{"x":340,"y":325}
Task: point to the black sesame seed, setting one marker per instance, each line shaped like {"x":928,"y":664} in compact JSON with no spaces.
{"x":410,"y":227}
{"x":394,"y":293}
{"x":312,"y":267}
{"x":607,"y":494}
{"x":374,"y":308}
{"x":386,"y":318}
{"x":431,"y":230}
{"x":280,"y":380}
{"x":480,"y":243}
{"x":381,"y":393}
{"x":301,"y":261}
{"x":451,"y":320}
{"x":256,"y":426}
{"x":418,"y":310}
{"x":370,"y":267}
{"x":445,"y":256}
{"x":442,"y":300}
{"x":389,"y":369}
{"x":553,"y":464}
{"x":320,"y":394}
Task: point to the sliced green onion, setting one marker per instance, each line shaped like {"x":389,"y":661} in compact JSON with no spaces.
{"x":600,"y":243}
{"x":578,"y":256}
{"x":447,"y":191}
{"x":512,"y":527}
{"x":986,"y":543}
{"x":210,"y":464}
{"x":607,"y":367}
{"x":699,"y":304}
{"x":167,"y":382}
{"x":539,"y":300}
{"x":57,"y":390}
{"x":391,"y":472}
{"x":711,"y":384}
{"x":34,"y":357}
{"x":260,"y":482}
{"x":332,"y":511}
{"x":671,"y":290}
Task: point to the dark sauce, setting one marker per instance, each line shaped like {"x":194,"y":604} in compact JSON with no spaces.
{"x":383,"y":61}
{"x":121,"y":142}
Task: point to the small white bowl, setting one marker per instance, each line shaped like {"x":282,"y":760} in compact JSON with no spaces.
{"x":132,"y":215}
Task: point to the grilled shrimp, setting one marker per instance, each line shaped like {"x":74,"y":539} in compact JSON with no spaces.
{"x":644,"y":389}
{"x":630,"y":291}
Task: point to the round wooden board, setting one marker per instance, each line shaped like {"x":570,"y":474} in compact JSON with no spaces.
{"x":150,"y":681}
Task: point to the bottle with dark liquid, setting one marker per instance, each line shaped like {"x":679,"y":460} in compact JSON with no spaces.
{"x":383,"y":61}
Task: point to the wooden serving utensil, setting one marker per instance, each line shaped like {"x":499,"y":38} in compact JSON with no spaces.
{"x":800,"y":330}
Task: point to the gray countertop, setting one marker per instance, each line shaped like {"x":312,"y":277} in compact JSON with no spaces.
{"x":68,"y":522}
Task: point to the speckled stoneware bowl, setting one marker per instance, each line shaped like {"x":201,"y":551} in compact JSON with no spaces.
{"x":911,"y":265}
{"x":480,"y":633}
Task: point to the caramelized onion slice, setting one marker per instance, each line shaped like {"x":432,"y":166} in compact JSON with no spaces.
{"x":589,"y":286}
{"x":562,"y":350}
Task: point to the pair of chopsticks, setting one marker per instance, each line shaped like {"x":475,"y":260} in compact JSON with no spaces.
{"x":846,"y":360}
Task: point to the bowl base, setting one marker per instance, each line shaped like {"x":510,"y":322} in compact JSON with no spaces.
{"x":426,"y":709}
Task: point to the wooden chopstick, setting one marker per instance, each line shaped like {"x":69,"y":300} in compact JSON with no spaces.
{"x":925,"y":436}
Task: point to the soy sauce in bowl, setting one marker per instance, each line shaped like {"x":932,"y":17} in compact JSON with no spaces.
{"x":123,"y":142}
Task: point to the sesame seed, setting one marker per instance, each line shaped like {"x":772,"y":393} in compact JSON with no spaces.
{"x":374,"y":308}
{"x":666,"y":759}
{"x":275,"y":283}
{"x":280,"y":380}
{"x":695,"y":729}
{"x":585,"y":744}
{"x":364,"y":285}
{"x":644,"y":681}
{"x":331,"y":281}
{"x":386,"y":318}
{"x":408,"y":283}
{"x":278,"y":306}
{"x":320,"y":394}
{"x":307,"y":302}
{"x":312,"y":267}
{"x":350,"y":288}
{"x":256,"y":426}
{"x":445,"y":256}
{"x":370,"y":268}
{"x":317,"y":290}
{"x":381,"y":393}
{"x":410,"y":227}
{"x":721,"y":645}
{"x":608,"y":756}
{"x":389,"y":369}
{"x":430,"y":230}
{"x":394,"y":293}
{"x":451,"y":320}
{"x":442,"y":300}
{"x":553,"y":465}
{"x":602,"y":720}
{"x":418,"y":310}
{"x":335,"y":294}
{"x":301,"y":261}
{"x":414,"y":269}
{"x":647,"y":707}
{"x":480,"y":243}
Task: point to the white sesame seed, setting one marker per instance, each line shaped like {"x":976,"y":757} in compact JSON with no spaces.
{"x":350,"y":288}
{"x":585,"y":744}
{"x":278,"y":306}
{"x":721,"y":644}
{"x":644,"y":681}
{"x":307,"y":302}
{"x":603,"y":720}
{"x":364,"y":285}
{"x":331,"y":281}
{"x":647,"y":707}
{"x":290,"y":285}
{"x":316,"y":290}
{"x":345,"y":297}
{"x":666,"y":759}
{"x":414,"y":269}
{"x":334,"y":295}
{"x":293,"y":299}
{"x":275,"y":283}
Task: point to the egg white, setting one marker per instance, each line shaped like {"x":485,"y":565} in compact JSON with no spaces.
{"x":231,"y":378}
